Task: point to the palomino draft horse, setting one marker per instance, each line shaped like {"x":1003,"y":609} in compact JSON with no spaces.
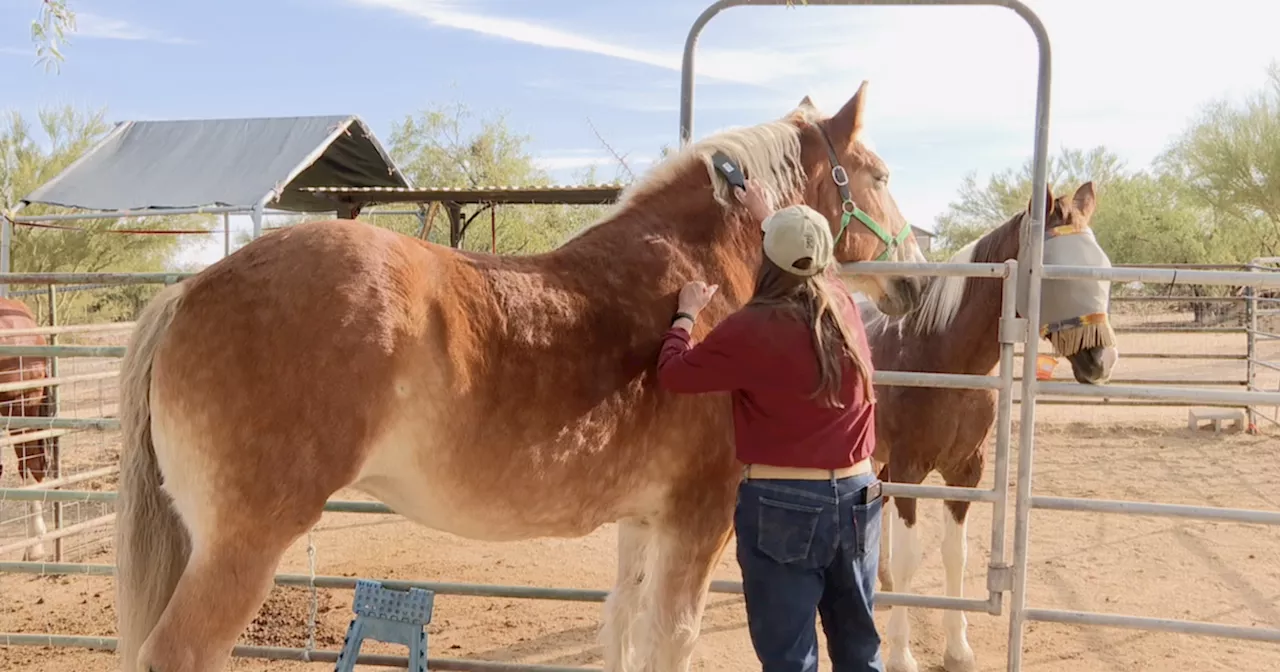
{"x":29,"y":402}
{"x":492,"y":397}
{"x":956,"y":330}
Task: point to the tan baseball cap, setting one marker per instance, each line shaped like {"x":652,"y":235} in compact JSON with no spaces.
{"x":797,"y":232}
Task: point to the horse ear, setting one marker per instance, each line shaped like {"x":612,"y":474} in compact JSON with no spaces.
{"x":1048,"y":201}
{"x":1085,"y":200}
{"x":847,"y":124}
{"x":803,"y":112}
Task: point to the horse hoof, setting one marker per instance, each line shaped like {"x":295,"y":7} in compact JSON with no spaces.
{"x":901,"y":662}
{"x":963,"y":661}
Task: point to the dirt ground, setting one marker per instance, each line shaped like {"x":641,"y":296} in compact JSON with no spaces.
{"x":1220,"y":572}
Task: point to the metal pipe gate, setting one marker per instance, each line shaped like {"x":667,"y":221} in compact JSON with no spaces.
{"x":1037,"y":271}
{"x":1261,"y":307}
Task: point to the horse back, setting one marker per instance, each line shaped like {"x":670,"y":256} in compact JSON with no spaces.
{"x":15,"y":314}
{"x":341,"y":354}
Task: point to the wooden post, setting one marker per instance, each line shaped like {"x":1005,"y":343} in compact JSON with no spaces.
{"x":348,"y":210}
{"x":422,"y":222}
{"x":455,"y":223}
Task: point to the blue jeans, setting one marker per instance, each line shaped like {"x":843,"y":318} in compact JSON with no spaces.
{"x":806,"y":547}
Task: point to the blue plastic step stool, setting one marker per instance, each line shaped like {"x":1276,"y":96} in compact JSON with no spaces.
{"x":388,"y":615}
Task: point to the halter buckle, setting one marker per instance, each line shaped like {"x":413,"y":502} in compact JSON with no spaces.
{"x":848,"y":207}
{"x":838,"y":174}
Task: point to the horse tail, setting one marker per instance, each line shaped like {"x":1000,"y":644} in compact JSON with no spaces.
{"x":152,"y":544}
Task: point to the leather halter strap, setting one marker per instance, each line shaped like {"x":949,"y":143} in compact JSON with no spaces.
{"x":850,"y":210}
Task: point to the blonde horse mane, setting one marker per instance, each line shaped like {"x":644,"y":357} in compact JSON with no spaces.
{"x":943,"y":295}
{"x":769,"y":153}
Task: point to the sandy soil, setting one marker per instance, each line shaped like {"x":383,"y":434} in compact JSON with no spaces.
{"x":1227,"y":573}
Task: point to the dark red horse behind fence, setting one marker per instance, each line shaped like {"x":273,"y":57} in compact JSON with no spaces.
{"x":26,"y":401}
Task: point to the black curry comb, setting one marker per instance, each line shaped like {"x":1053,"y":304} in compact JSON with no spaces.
{"x":730,"y":169}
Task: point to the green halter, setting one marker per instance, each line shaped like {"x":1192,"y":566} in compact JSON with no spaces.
{"x":849,"y":210}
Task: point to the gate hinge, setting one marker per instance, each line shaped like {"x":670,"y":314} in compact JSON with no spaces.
{"x":999,"y":578}
{"x":1013,"y":330}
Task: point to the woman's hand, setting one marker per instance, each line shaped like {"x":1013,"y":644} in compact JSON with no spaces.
{"x":695,"y":296}
{"x":755,"y":200}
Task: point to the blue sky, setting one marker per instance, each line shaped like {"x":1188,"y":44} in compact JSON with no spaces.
{"x":952,"y":88}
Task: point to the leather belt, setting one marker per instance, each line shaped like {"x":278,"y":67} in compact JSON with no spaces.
{"x":768,"y":471}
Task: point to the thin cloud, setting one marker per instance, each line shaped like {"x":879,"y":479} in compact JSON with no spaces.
{"x":661,"y":96}
{"x":446,"y":15}
{"x":741,"y":66}
{"x":957,"y":79}
{"x":985,"y":81}
{"x":98,"y":27}
{"x":778,"y":69}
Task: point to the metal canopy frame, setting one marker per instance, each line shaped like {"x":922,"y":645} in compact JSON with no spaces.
{"x":350,"y":201}
{"x":361,"y":197}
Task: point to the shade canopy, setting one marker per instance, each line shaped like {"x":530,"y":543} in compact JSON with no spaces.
{"x":151,"y":165}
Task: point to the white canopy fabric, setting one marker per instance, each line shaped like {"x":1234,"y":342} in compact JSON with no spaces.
{"x":223,"y":162}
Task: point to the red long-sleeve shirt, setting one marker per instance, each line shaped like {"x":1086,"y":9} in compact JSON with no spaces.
{"x":769,"y":367}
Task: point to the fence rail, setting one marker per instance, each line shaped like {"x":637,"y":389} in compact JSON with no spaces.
{"x":1268,"y":266}
{"x":1020,"y":613}
{"x":57,"y":380}
{"x":996,"y":495}
{"x":300,"y":655}
{"x":998,"y":566}
{"x":1157,"y":624}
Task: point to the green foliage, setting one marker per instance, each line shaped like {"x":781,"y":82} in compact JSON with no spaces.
{"x":446,"y":147}
{"x":1141,"y":217}
{"x":982,"y":208}
{"x":1146,"y":219}
{"x":1229,"y":162}
{"x":49,"y":31}
{"x":79,"y":246}
{"x":438,"y":148}
{"x":1212,"y":197}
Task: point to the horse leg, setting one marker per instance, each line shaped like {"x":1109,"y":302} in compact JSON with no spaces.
{"x":904,"y":560}
{"x":959,"y":656}
{"x":31,"y":466}
{"x":955,"y":547}
{"x":623,"y":607}
{"x":688,"y":542}
{"x":198,"y":541}
{"x":36,"y":529}
{"x":884,"y":571}
{"x":226,"y":580}
{"x":231,"y":536}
